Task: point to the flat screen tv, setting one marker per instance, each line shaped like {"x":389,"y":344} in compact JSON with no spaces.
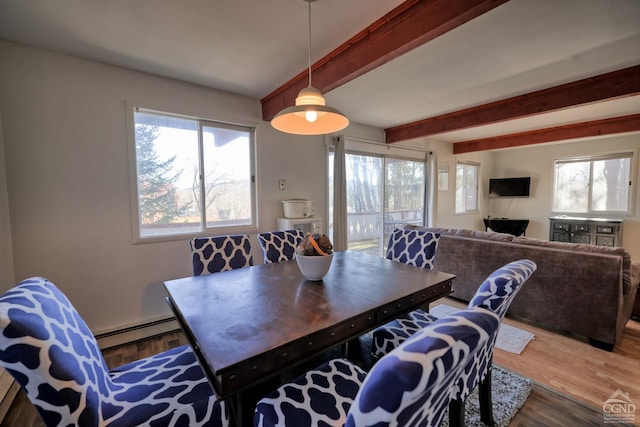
{"x":509,"y":187}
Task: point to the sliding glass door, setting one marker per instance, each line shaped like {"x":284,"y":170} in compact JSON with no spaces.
{"x":382,"y":193}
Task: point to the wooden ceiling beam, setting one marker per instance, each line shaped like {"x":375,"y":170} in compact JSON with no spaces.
{"x":616,"y":84}
{"x":609,"y":126}
{"x":413,"y":23}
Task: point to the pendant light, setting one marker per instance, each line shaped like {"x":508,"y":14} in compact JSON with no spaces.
{"x":310,"y":115}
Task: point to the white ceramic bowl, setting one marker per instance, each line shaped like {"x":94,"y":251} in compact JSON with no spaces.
{"x":314,"y":268}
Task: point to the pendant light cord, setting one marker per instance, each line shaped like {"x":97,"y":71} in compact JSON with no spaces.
{"x":309,"y":42}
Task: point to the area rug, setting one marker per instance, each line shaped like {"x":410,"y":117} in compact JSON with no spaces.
{"x":510,"y":339}
{"x":509,"y":391}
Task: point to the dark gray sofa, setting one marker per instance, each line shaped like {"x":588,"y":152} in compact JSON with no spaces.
{"x":583,"y":289}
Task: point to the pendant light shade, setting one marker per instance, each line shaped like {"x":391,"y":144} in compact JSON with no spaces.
{"x":310,"y":115}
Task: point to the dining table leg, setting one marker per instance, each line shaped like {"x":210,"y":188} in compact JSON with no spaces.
{"x":242,"y":406}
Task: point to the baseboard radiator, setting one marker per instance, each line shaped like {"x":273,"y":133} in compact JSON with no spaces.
{"x":137,"y":332}
{"x":9,"y":388}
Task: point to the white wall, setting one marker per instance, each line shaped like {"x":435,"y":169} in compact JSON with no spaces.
{"x":68,"y":179}
{"x":537,"y":162}
{"x":447,"y":217}
{"x":6,"y":251}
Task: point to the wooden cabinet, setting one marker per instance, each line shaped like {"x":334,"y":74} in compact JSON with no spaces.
{"x":591,"y":231}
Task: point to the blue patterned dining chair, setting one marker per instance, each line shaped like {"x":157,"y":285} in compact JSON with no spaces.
{"x":220,"y":253}
{"x":496,"y":294}
{"x":413,"y":247}
{"x":279,"y":245}
{"x":411,"y":385}
{"x":50,"y":351}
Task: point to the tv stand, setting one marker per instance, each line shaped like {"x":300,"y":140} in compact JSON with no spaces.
{"x":592,"y":231}
{"x":517,"y":227}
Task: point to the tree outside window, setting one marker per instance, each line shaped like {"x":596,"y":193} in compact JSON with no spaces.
{"x":593,"y":185}
{"x":382,"y":193}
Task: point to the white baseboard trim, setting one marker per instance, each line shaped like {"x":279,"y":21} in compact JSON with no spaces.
{"x":137,"y":332}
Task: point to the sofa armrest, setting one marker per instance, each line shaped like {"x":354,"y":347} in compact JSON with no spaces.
{"x":635,"y":274}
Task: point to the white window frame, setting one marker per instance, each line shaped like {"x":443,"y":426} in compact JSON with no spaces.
{"x":631,"y":154}
{"x":464,"y":209}
{"x":204,"y":230}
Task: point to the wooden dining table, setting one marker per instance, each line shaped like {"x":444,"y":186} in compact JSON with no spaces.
{"x":252,"y":324}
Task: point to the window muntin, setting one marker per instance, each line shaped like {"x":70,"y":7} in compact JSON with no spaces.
{"x":467,"y":187}
{"x":191,"y":175}
{"x":593,"y":185}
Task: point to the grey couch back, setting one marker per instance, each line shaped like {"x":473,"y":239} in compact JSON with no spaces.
{"x":574,"y":289}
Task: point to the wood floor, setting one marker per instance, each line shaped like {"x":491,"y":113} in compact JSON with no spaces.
{"x":572,"y":380}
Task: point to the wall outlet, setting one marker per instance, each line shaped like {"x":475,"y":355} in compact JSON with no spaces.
{"x":281,"y":184}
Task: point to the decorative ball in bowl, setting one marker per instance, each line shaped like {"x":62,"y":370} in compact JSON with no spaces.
{"x":314,"y":255}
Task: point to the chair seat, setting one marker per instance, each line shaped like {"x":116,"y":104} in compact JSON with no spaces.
{"x":319,"y":397}
{"x":170,"y":386}
{"x":394,"y":333}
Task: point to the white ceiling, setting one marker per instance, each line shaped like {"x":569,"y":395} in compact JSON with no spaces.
{"x":251,"y":47}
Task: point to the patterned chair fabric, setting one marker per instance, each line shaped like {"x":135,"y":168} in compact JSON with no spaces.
{"x":413,"y":247}
{"x":495,"y":294}
{"x":50,"y":351}
{"x":220,"y":253}
{"x":409,"y":386}
{"x":279,"y":245}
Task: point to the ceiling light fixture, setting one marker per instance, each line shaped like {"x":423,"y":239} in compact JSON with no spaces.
{"x":310,"y":115}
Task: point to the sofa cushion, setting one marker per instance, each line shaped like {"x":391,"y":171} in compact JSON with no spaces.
{"x":635,"y":272}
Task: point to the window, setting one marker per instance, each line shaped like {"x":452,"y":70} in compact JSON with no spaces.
{"x":593,"y":185}
{"x":192,"y":175}
{"x":467,"y":187}
{"x":382,"y":193}
{"x":443,"y":177}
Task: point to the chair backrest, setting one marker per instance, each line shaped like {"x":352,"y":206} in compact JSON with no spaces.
{"x":499,"y":289}
{"x":50,"y":351}
{"x":413,"y":247}
{"x":279,"y":245}
{"x":412,"y":384}
{"x":494,"y":294}
{"x":220,"y":253}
